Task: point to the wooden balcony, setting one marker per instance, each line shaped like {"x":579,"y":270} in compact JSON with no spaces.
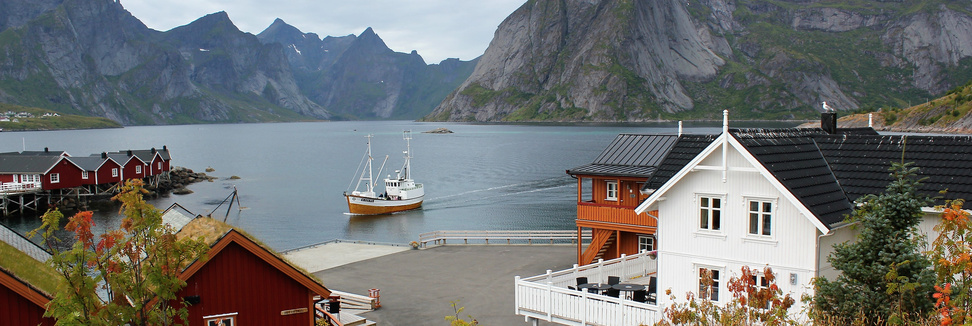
{"x":613,"y":214}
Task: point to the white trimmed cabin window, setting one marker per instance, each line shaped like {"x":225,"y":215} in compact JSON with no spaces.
{"x":138,"y":169}
{"x":114,"y":172}
{"x":761,"y":217}
{"x":160,"y":165}
{"x":84,"y":175}
{"x":55,"y":177}
{"x":646,"y":243}
{"x":612,"y":190}
{"x":220,"y":320}
{"x":710,"y":213}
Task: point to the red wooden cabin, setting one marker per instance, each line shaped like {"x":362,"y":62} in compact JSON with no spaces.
{"x":247,"y":283}
{"x":132,"y":166}
{"x":23,"y":302}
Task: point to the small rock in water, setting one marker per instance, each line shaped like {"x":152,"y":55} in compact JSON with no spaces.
{"x":182,"y":191}
{"x":210,"y":169}
{"x":234,"y":177}
{"x":438,"y":131}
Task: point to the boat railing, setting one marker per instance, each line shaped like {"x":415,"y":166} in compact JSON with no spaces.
{"x":509,"y":236}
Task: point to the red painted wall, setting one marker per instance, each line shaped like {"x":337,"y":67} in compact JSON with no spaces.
{"x":104,"y":173}
{"x":130,"y":169}
{"x":237,"y":281}
{"x":6,"y":177}
{"x":17,"y":310}
{"x":70,"y":176}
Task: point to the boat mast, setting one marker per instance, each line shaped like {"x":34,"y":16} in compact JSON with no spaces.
{"x":407,"y":135}
{"x":367,"y":179}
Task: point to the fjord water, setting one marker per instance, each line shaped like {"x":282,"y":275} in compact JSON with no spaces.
{"x":292,"y":175}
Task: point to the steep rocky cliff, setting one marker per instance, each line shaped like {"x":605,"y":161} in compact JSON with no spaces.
{"x":92,"y":57}
{"x":626,"y":60}
{"x":360,"y":77}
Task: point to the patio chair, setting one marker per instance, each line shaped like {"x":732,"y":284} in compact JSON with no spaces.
{"x":612,"y":280}
{"x":613,"y":293}
{"x":652,"y":290}
{"x":581,"y":280}
{"x":640,"y":296}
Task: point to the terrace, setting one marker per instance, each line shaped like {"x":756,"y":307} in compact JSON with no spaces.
{"x":550,"y":297}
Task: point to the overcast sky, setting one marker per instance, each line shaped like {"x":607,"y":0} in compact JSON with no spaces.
{"x":437,"y":29}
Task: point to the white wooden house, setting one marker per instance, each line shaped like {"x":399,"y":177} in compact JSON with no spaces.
{"x":773,"y":198}
{"x":778,"y":197}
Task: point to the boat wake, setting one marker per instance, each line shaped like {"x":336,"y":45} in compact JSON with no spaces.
{"x":485,"y":196}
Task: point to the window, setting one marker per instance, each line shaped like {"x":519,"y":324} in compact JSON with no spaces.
{"x":55,"y":177}
{"x":220,"y":320}
{"x":710,"y":213}
{"x":160,"y":165}
{"x":84,"y":174}
{"x":138,"y":169}
{"x":760,"y":283}
{"x":709,"y":282}
{"x":114,"y":172}
{"x":760,"y":217}
{"x":612,"y":190}
{"x":646,"y":243}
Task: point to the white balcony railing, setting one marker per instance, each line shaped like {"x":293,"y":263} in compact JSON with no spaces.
{"x":546,"y":297}
{"x":16,"y":187}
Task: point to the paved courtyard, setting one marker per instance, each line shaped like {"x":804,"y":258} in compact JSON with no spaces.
{"x":417,"y":286}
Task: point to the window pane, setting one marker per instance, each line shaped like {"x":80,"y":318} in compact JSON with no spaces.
{"x":704,"y":218}
{"x":716,"y":203}
{"x":753,"y":223}
{"x":767,"y":223}
{"x":715,"y":220}
{"x":767,"y":207}
{"x":754,"y":206}
{"x":704,"y":202}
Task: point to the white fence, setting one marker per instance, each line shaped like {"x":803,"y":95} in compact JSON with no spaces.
{"x":509,"y":236}
{"x":15,"y":187}
{"x":547,"y":297}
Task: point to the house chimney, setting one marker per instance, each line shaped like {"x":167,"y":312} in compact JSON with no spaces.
{"x":129,"y":152}
{"x":104,"y":155}
{"x":164,"y":149}
{"x":46,"y":150}
{"x":153,"y":150}
{"x":828,"y":122}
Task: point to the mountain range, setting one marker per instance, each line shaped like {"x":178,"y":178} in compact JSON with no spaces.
{"x":627,"y":60}
{"x":92,"y":57}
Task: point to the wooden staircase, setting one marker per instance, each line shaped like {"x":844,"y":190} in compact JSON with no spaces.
{"x":601,"y":242}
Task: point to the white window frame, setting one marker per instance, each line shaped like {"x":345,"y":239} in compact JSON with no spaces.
{"x":231,"y":317}
{"x":611,"y":190}
{"x":647,"y":242}
{"x":114,"y":172}
{"x":160,"y":165}
{"x":718,"y":280}
{"x":84,"y":175}
{"x":55,"y":177}
{"x":138,"y":169}
{"x":704,"y":203}
{"x":761,"y":215}
{"x":759,"y":282}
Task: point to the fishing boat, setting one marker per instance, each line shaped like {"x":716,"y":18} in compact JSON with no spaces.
{"x":401,"y":192}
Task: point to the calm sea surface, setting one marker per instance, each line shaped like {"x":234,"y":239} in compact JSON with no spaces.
{"x":292,"y":175}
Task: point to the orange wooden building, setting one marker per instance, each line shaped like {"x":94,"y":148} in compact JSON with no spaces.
{"x":609,"y":189}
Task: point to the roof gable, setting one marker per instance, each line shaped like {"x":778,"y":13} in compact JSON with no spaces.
{"x":264,"y":254}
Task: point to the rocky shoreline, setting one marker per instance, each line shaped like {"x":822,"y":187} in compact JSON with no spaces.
{"x":179,"y":179}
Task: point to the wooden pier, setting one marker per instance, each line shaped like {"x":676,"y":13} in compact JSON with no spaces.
{"x":509,"y":236}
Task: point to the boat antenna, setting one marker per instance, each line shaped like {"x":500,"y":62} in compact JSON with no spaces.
{"x":407,"y":135}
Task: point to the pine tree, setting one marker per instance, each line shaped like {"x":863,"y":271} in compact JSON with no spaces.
{"x":888,"y":243}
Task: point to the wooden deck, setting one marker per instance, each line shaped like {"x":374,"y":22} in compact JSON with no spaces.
{"x":501,"y":236}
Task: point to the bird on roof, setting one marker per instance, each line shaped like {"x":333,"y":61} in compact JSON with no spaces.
{"x":827,"y":108}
